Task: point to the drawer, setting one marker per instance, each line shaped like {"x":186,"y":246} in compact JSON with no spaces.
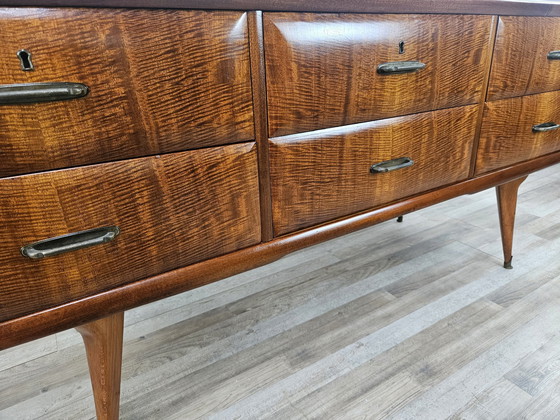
{"x":323,"y":175}
{"x":507,"y":135}
{"x":159,"y":81}
{"x":522,"y":61}
{"x":322,"y":69}
{"x":172,"y":211}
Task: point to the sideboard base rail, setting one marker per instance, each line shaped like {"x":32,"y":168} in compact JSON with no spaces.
{"x":91,"y":308}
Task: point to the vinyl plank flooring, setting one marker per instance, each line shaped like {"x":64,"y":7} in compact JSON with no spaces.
{"x":463,"y":387}
{"x":29,"y":351}
{"x":539,"y":370}
{"x":450,"y":352}
{"x":516,"y":393}
{"x":499,"y":402}
{"x":329,"y":332}
{"x":373,"y":381}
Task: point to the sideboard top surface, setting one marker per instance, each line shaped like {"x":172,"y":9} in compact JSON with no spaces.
{"x":501,"y":7}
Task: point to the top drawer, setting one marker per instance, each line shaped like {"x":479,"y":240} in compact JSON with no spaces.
{"x":159,"y":81}
{"x":522,"y":63}
{"x":322,"y":68}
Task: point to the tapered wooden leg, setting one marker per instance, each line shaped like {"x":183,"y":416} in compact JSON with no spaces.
{"x":507,"y":203}
{"x":103,"y":340}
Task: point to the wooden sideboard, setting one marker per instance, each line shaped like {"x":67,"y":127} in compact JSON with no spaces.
{"x":151,"y":150}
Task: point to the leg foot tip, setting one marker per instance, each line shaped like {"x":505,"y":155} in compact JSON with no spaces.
{"x":507,"y":264}
{"x":399,"y":219}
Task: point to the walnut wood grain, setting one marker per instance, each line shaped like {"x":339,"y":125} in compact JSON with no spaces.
{"x":507,"y":136}
{"x":520,"y":65}
{"x":483,"y":97}
{"x":325,"y":174}
{"x":256,"y":43}
{"x":103,"y":340}
{"x":507,"y":203}
{"x":49,"y":321}
{"x":321,"y":69}
{"x":160,"y":81}
{"x":486,"y":7}
{"x":172,"y":211}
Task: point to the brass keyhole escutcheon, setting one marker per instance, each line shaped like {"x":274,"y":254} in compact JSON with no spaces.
{"x":25,"y":60}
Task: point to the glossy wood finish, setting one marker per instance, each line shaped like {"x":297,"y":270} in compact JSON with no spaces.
{"x":480,"y":115}
{"x":483,"y":7}
{"x":160,"y":81}
{"x":172,"y":211}
{"x":507,"y":135}
{"x":103,"y":340}
{"x":42,"y":323}
{"x":325,"y":174}
{"x":507,"y":203}
{"x":520,"y":64}
{"x":261,"y":120}
{"x":321,"y":69}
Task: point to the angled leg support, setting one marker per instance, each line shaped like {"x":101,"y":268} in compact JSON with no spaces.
{"x":103,"y":340}
{"x":507,"y":203}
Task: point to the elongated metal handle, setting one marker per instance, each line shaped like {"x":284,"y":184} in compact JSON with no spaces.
{"x":399,"y":67}
{"x":391,"y":165}
{"x":71,"y":242}
{"x":27,"y":93}
{"x":553,"y":55}
{"x":548,"y":126}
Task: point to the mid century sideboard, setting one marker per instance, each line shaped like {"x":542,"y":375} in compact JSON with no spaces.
{"x":151,"y":147}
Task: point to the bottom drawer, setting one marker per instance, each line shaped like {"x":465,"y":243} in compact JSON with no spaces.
{"x":325,"y":174}
{"x":171,"y":211}
{"x":518,"y":129}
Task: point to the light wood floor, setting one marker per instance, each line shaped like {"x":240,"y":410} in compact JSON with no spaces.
{"x":405,"y":321}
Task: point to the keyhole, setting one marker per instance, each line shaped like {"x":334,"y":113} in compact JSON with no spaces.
{"x":25,"y":60}
{"x":401,"y":47}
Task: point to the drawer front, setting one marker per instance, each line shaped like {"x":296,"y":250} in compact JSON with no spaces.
{"x":507,"y":135}
{"x":323,"y":175}
{"x":159,"y":81}
{"x":172,"y":211}
{"x":521,"y":63}
{"x":322,"y":70}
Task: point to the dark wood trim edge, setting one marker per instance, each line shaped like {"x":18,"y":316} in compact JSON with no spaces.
{"x":485,"y":7}
{"x":72,"y":314}
{"x":260,"y":113}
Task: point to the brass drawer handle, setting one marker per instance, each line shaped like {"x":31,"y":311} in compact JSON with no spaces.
{"x":553,"y":55}
{"x":548,"y":126}
{"x":399,"y":67}
{"x":391,"y":165}
{"x":71,"y":242}
{"x":27,"y":93}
